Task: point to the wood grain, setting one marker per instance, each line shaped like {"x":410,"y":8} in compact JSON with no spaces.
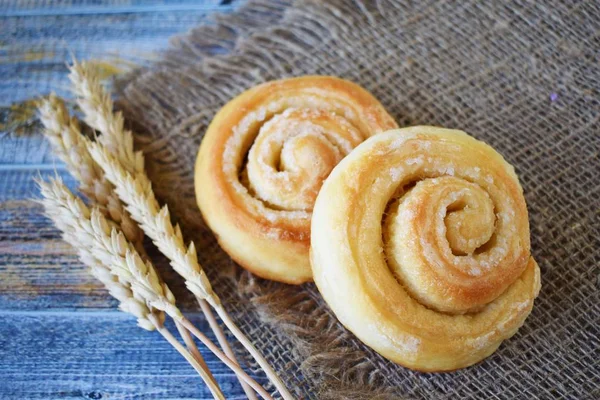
{"x":95,"y":355}
{"x":38,"y":270}
{"x":60,"y":333}
{"x":37,"y":38}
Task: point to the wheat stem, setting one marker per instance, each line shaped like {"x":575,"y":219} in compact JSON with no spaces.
{"x":193,"y":349}
{"x":136,"y":192}
{"x":133,"y":282}
{"x":232,"y":365}
{"x":69,"y":214}
{"x":109,"y":247}
{"x":216,"y":328}
{"x":202,"y":370}
{"x":97,"y":106}
{"x":254,"y":352}
{"x":64,"y":134}
{"x":125,"y":169}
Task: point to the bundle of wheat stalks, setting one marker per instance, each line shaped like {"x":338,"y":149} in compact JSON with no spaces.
{"x":108,"y":234}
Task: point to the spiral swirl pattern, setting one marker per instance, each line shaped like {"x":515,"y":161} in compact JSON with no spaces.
{"x":421,"y":247}
{"x":264,"y":158}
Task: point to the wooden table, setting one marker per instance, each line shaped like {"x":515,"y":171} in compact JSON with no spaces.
{"x":60,"y":333}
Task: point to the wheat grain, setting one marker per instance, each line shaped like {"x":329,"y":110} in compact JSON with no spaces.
{"x":64,"y":135}
{"x":97,"y":107}
{"x":55,"y":203}
{"x":136,"y":192}
{"x":109,"y":246}
{"x":125,"y":169}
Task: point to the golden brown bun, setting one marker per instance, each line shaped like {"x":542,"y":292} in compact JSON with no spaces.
{"x":263,"y":160}
{"x":420,"y":245}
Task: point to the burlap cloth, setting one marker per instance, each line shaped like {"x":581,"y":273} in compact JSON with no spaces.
{"x":524,"y":77}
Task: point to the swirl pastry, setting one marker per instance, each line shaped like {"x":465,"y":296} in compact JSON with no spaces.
{"x":420,"y":245}
{"x":263,"y":160}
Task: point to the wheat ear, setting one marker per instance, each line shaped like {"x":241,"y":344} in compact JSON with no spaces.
{"x":64,"y":134}
{"x":110,"y":247}
{"x":145,"y":297}
{"x":97,"y":106}
{"x":128,"y":302}
{"x":54,"y":205}
{"x":157,"y":225}
{"x":136,"y":192}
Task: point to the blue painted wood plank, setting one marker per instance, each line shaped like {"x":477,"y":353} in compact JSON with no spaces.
{"x":17,"y":180}
{"x":35,"y":49}
{"x":38,"y":270}
{"x":61,"y":336}
{"x":99,"y":355}
{"x":84,"y":7}
{"x":25,"y":150}
{"x":36,"y":42}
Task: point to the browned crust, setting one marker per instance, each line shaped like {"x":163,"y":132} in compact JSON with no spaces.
{"x":226,"y":207}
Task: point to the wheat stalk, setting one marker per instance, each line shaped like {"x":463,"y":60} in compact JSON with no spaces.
{"x":64,"y":134}
{"x":97,"y":106}
{"x":90,"y":229}
{"x":136,"y":192}
{"x":126,"y":167}
{"x":69,"y":214}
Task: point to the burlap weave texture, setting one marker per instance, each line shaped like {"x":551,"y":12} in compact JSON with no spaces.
{"x":522,"y":76}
